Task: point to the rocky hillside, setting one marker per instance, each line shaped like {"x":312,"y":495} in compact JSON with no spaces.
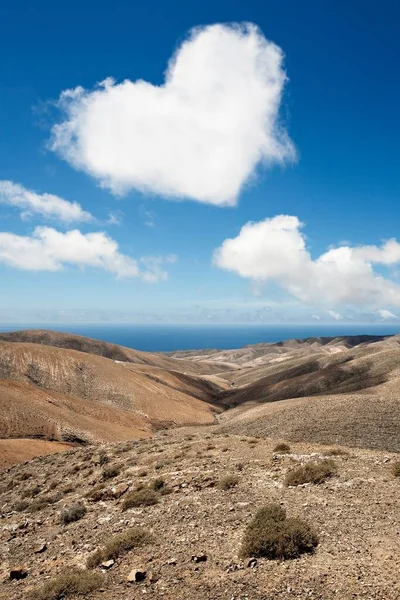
{"x":165,"y":518}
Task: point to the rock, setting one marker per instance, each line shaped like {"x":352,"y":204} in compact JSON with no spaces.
{"x":18,"y":572}
{"x":252,"y":563}
{"x":41,"y":547}
{"x":172,"y":561}
{"x":153,"y":577}
{"x":199,"y":558}
{"x":118,"y":490}
{"x":136,"y":575}
{"x":107,"y":564}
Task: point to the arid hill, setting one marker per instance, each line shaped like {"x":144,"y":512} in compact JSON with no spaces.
{"x":325,"y":390}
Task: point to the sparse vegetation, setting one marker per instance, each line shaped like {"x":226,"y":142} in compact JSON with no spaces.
{"x":136,"y":537}
{"x":273,"y":535}
{"x":140,"y":497}
{"x":228,"y":481}
{"x":73,"y":513}
{"x":31,"y":492}
{"x":20,"y":505}
{"x":282,"y":448}
{"x":72,"y":582}
{"x":110,"y":472}
{"x":157,"y":484}
{"x":103,"y":458}
{"x":311,"y":472}
{"x":336,"y":452}
{"x":396,"y":468}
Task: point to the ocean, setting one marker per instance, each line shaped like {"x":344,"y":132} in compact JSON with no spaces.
{"x":167,"y":338}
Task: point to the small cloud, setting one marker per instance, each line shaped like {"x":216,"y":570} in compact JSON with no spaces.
{"x":386,"y":314}
{"x":47,"y":206}
{"x":51,"y":250}
{"x":115,"y":217}
{"x":335,"y":315}
{"x":316,"y":317}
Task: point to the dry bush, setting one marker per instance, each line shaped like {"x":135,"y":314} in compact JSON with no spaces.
{"x":157,"y":484}
{"x":396,"y":468}
{"x":228,"y":482}
{"x":103,"y":458}
{"x":136,"y":537}
{"x":143,"y":473}
{"x":97,"y":493}
{"x":311,"y":472}
{"x":282,"y":448}
{"x":72,"y":514}
{"x":68,"y":489}
{"x":110,"y":472}
{"x":336,"y":452}
{"x":140,"y":497}
{"x":25,"y":475}
{"x":71,"y":582}
{"x":20,"y":505}
{"x":274,"y":536}
{"x":44,"y":501}
{"x":31,"y":492}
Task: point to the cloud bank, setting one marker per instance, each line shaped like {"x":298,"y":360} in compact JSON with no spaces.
{"x":50,"y":250}
{"x":275,"y":250}
{"x":47,"y":206}
{"x":199,"y":136}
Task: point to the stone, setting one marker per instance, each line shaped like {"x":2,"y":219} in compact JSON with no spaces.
{"x":153,"y":577}
{"x":118,"y":490}
{"x":136,"y":576}
{"x":107,"y":564}
{"x":18,"y":572}
{"x":199,"y":558}
{"x":41,"y":547}
{"x":172,"y":561}
{"x":252,"y":563}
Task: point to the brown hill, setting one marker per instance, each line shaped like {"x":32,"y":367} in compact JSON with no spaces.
{"x":72,"y":341}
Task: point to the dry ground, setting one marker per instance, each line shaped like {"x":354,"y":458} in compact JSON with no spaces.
{"x":356,"y":514}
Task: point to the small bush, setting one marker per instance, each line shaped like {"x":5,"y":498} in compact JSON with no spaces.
{"x":97,"y":493}
{"x":119,"y":545}
{"x":31,"y":492}
{"x":44,"y":501}
{"x":311,"y":472}
{"x":140,"y":497}
{"x":396,"y":468}
{"x":24,"y":476}
{"x":157,"y":484}
{"x":143,"y":473}
{"x":228,"y":482}
{"x":336,"y":452}
{"x":274,"y":536}
{"x":20,"y":505}
{"x":240,"y":466}
{"x":72,"y":514}
{"x":71,"y":582}
{"x":110,"y":472}
{"x":282,"y":448}
{"x":103,"y":458}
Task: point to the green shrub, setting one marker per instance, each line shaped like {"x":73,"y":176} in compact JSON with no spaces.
{"x":72,"y":514}
{"x":120,"y":544}
{"x":71,"y":582}
{"x":228,"y":482}
{"x":274,"y":536}
{"x":282,"y":448}
{"x":140,"y":497}
{"x":311,"y":472}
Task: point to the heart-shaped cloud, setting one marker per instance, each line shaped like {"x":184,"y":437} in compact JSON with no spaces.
{"x":201,"y":135}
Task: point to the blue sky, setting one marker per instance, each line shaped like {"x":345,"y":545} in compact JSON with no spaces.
{"x":330,"y":162}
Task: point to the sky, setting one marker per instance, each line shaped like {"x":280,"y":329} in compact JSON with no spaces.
{"x":213,"y":162}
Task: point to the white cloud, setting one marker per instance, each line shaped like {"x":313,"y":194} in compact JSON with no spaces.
{"x":200,"y":135}
{"x":275,"y":250}
{"x":50,"y":250}
{"x":46,"y":205}
{"x":386,"y":314}
{"x":335,"y":315}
